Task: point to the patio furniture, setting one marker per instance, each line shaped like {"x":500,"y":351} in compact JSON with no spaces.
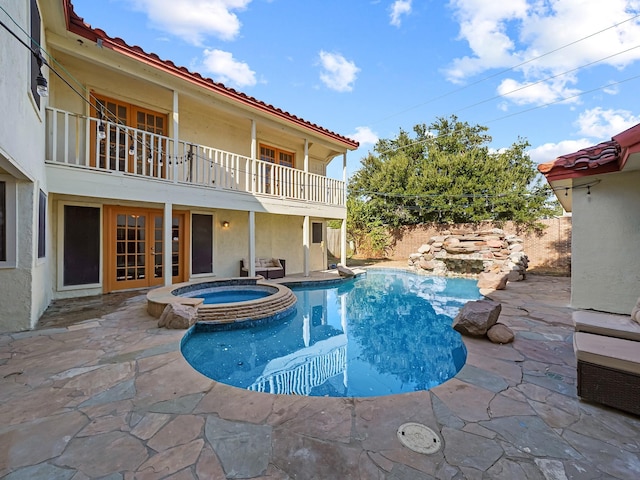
{"x":269,"y":268}
{"x":607,"y":348}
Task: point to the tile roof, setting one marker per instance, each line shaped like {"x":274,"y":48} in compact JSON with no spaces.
{"x":77,"y":25}
{"x":606,"y":157}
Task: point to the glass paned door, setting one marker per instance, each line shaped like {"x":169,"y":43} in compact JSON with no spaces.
{"x":131,"y":250}
{"x":151,"y":148}
{"x":123,"y":149}
{"x":135,"y":248}
{"x":110,"y":152}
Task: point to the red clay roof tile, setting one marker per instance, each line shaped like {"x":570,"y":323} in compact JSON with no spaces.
{"x":605,"y":157}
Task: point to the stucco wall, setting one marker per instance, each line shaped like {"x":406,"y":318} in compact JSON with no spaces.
{"x":25,"y":292}
{"x":606,"y":244}
{"x":278,"y":236}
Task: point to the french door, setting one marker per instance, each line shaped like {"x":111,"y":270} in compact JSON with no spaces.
{"x":134,"y":253}
{"x":115,"y":147}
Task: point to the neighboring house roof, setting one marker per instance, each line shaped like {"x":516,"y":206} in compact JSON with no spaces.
{"x":606,"y":157}
{"x":77,"y":25}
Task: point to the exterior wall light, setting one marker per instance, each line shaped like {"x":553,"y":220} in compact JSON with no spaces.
{"x":225,"y":224}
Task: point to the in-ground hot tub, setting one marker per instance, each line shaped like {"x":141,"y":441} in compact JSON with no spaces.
{"x":226,"y":300}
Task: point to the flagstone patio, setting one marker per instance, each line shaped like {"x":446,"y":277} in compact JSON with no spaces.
{"x":99,"y":392}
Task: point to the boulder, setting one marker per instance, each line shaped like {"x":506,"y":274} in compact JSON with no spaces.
{"x":424,"y":248}
{"x":345,"y":272}
{"x":427,"y":264}
{"x":492,"y":281}
{"x":514,"y":276}
{"x":500,"y":333}
{"x":477,"y":317}
{"x":177,"y":316}
{"x":495,"y":243}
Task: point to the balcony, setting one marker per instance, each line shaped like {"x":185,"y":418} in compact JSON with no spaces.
{"x":90,"y":143}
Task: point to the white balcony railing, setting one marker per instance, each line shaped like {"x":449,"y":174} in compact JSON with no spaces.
{"x":75,"y":140}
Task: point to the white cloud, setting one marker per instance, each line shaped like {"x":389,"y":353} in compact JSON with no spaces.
{"x":365,"y":136}
{"x":550,"y":151}
{"x":338,"y":73}
{"x":398,"y":9}
{"x":504,"y":34}
{"x":226,"y":69}
{"x":540,"y":93}
{"x":194,"y":20}
{"x":602,"y":124}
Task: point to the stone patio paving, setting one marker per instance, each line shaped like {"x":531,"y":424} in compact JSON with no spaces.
{"x":110,"y":397}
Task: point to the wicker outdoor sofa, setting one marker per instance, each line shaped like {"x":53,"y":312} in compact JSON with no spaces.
{"x":269,"y":268}
{"x":607,"y":348}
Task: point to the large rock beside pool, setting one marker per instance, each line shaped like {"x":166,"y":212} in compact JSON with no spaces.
{"x":176,"y":316}
{"x":345,"y":272}
{"x":500,"y":333}
{"x":492,"y":281}
{"x":477,"y":317}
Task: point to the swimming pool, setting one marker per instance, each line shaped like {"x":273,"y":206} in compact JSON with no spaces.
{"x":385,"y":333}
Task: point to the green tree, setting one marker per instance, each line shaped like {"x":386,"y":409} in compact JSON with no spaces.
{"x":445,"y":173}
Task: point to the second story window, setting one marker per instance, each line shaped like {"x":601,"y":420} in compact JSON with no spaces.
{"x":275,"y":155}
{"x":35,"y":46}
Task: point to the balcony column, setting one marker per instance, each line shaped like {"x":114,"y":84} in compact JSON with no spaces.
{"x":251,"y":171}
{"x":343,"y":226}
{"x":167,"y":243}
{"x":306,"y":170}
{"x":305,"y":244}
{"x":176,"y":134}
{"x":252,"y":244}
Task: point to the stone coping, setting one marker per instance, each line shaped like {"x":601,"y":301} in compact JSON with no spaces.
{"x":280,"y":299}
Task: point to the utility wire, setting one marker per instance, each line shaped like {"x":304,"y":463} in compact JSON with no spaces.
{"x":528,"y":85}
{"x":181,"y":158}
{"x":501,"y":72}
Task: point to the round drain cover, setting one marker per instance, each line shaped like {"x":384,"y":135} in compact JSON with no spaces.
{"x":419,"y":438}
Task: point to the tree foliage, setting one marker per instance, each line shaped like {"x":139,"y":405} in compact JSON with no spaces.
{"x":445,"y":173}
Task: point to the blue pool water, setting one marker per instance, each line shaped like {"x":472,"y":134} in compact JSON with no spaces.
{"x":230,"y":294}
{"x":386,"y":333}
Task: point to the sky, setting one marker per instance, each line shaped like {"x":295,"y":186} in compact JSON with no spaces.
{"x":562,"y":74}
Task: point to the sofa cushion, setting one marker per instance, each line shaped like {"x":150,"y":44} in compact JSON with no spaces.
{"x":608,"y":324}
{"x":275,"y":263}
{"x":614,"y":353}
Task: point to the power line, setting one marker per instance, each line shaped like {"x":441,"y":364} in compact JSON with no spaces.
{"x":121,"y":124}
{"x":501,"y":72}
{"x":528,"y":85}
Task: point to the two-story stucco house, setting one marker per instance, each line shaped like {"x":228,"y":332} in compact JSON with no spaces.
{"x":134,"y":172}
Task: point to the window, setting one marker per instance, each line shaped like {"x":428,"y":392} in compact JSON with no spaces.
{"x":316,"y":232}
{"x":274,"y":155}
{"x":143,"y":152}
{"x":35,"y":46}
{"x":81,"y":249}
{"x":42,"y":225}
{"x":7,"y":222}
{"x":201,"y":243}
